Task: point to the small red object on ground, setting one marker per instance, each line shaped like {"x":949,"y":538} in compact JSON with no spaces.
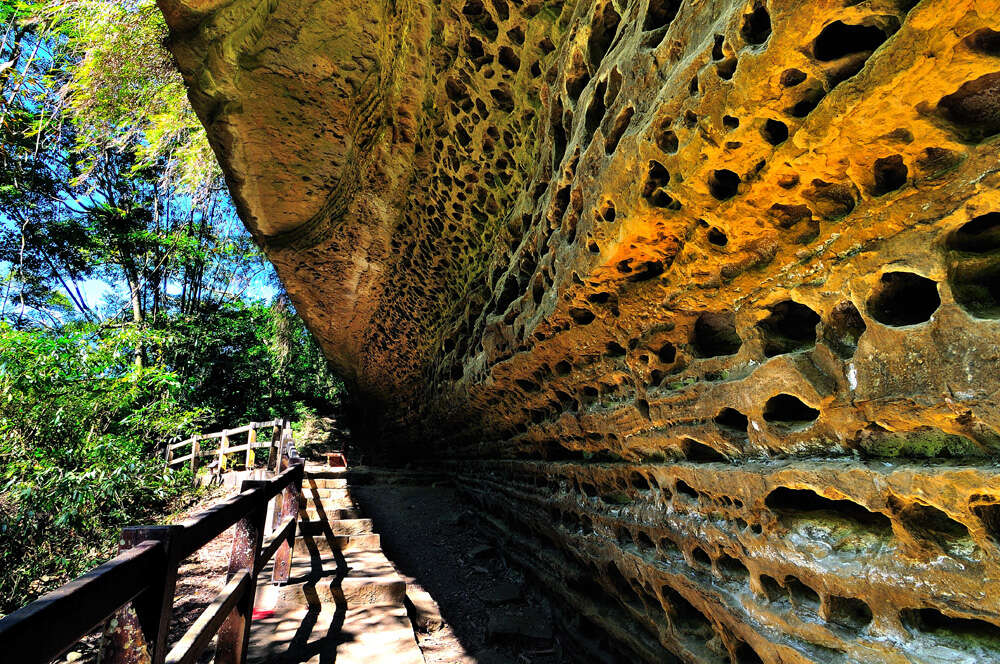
{"x":262,"y":613}
{"x":336,"y":460}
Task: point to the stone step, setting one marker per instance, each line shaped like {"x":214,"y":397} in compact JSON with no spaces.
{"x":325,"y":512}
{"x":318,"y":536}
{"x":325,"y":494}
{"x":349,"y":592}
{"x":371,"y":579}
{"x":344,"y":600}
{"x":339,"y":514}
{"x":378,"y":635}
{"x":324,"y":487}
{"x":313,"y":482}
{"x":352,"y":579}
{"x":327,"y":502}
{"x":424,"y":611}
{"x":295,"y":634}
{"x":325,"y":472}
{"x":351,"y":527}
{"x":369,"y":634}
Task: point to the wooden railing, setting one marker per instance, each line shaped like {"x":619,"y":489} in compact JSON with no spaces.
{"x":133,"y":594}
{"x":225,"y":446}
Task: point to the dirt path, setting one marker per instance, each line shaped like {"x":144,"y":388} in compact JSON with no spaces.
{"x":490,"y":615}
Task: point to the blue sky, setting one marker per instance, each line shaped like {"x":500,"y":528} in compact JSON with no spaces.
{"x":95,"y":291}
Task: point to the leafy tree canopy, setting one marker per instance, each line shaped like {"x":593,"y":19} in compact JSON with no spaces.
{"x":134,"y":307}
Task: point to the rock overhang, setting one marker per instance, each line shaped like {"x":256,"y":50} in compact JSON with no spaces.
{"x":648,"y":232}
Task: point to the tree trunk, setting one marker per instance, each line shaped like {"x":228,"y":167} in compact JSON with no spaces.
{"x":138,"y":316}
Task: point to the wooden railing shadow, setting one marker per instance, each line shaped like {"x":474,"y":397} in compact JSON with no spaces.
{"x":327,"y":533}
{"x":132,"y":595}
{"x":306,"y":644}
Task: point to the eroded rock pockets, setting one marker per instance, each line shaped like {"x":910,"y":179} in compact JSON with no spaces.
{"x":648,"y":572}
{"x":646,"y":232}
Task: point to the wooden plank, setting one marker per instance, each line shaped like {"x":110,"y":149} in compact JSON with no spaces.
{"x":253,"y":426}
{"x":211,"y":453}
{"x":200,"y":634}
{"x":235,"y":449}
{"x":229,"y":450}
{"x":203,"y":528}
{"x":43,"y":630}
{"x":285,"y":531}
{"x":234,"y":635}
{"x":239,"y":430}
{"x":239,"y":448}
{"x":138,"y":631}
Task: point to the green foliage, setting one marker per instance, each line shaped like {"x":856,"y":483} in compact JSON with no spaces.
{"x":106,"y":177}
{"x":124,"y":91}
{"x":77,"y":424}
{"x":250,"y":362}
{"x":82,"y":427}
{"x":87,"y":191}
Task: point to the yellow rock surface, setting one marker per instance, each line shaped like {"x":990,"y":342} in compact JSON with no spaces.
{"x":749,"y":250}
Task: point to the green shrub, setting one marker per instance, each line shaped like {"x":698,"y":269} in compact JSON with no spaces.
{"x":79,"y":426}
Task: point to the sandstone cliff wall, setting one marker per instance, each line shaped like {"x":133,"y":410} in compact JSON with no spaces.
{"x":700,"y":299}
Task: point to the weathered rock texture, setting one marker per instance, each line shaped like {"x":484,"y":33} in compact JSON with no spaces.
{"x":699,"y":298}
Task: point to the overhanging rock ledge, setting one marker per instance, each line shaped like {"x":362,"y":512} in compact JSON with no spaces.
{"x":699,"y":299}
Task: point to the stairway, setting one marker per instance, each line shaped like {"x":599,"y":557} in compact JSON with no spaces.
{"x":344,"y":600}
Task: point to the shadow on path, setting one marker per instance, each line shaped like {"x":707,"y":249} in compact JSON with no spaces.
{"x":430,"y":534}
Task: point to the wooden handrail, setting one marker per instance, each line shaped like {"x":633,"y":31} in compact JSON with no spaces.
{"x":232,"y":432}
{"x":133,"y":593}
{"x":224,"y":449}
{"x":214,"y":521}
{"x":103,"y":590}
{"x":200,"y":634}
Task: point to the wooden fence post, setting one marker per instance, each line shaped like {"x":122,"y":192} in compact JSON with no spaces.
{"x":286,"y":444}
{"x":290,"y":500}
{"x":251,"y":441}
{"x":195,"y":451}
{"x":137,"y":632}
{"x":234,"y":635}
{"x":223,"y":447}
{"x":272,"y":457}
